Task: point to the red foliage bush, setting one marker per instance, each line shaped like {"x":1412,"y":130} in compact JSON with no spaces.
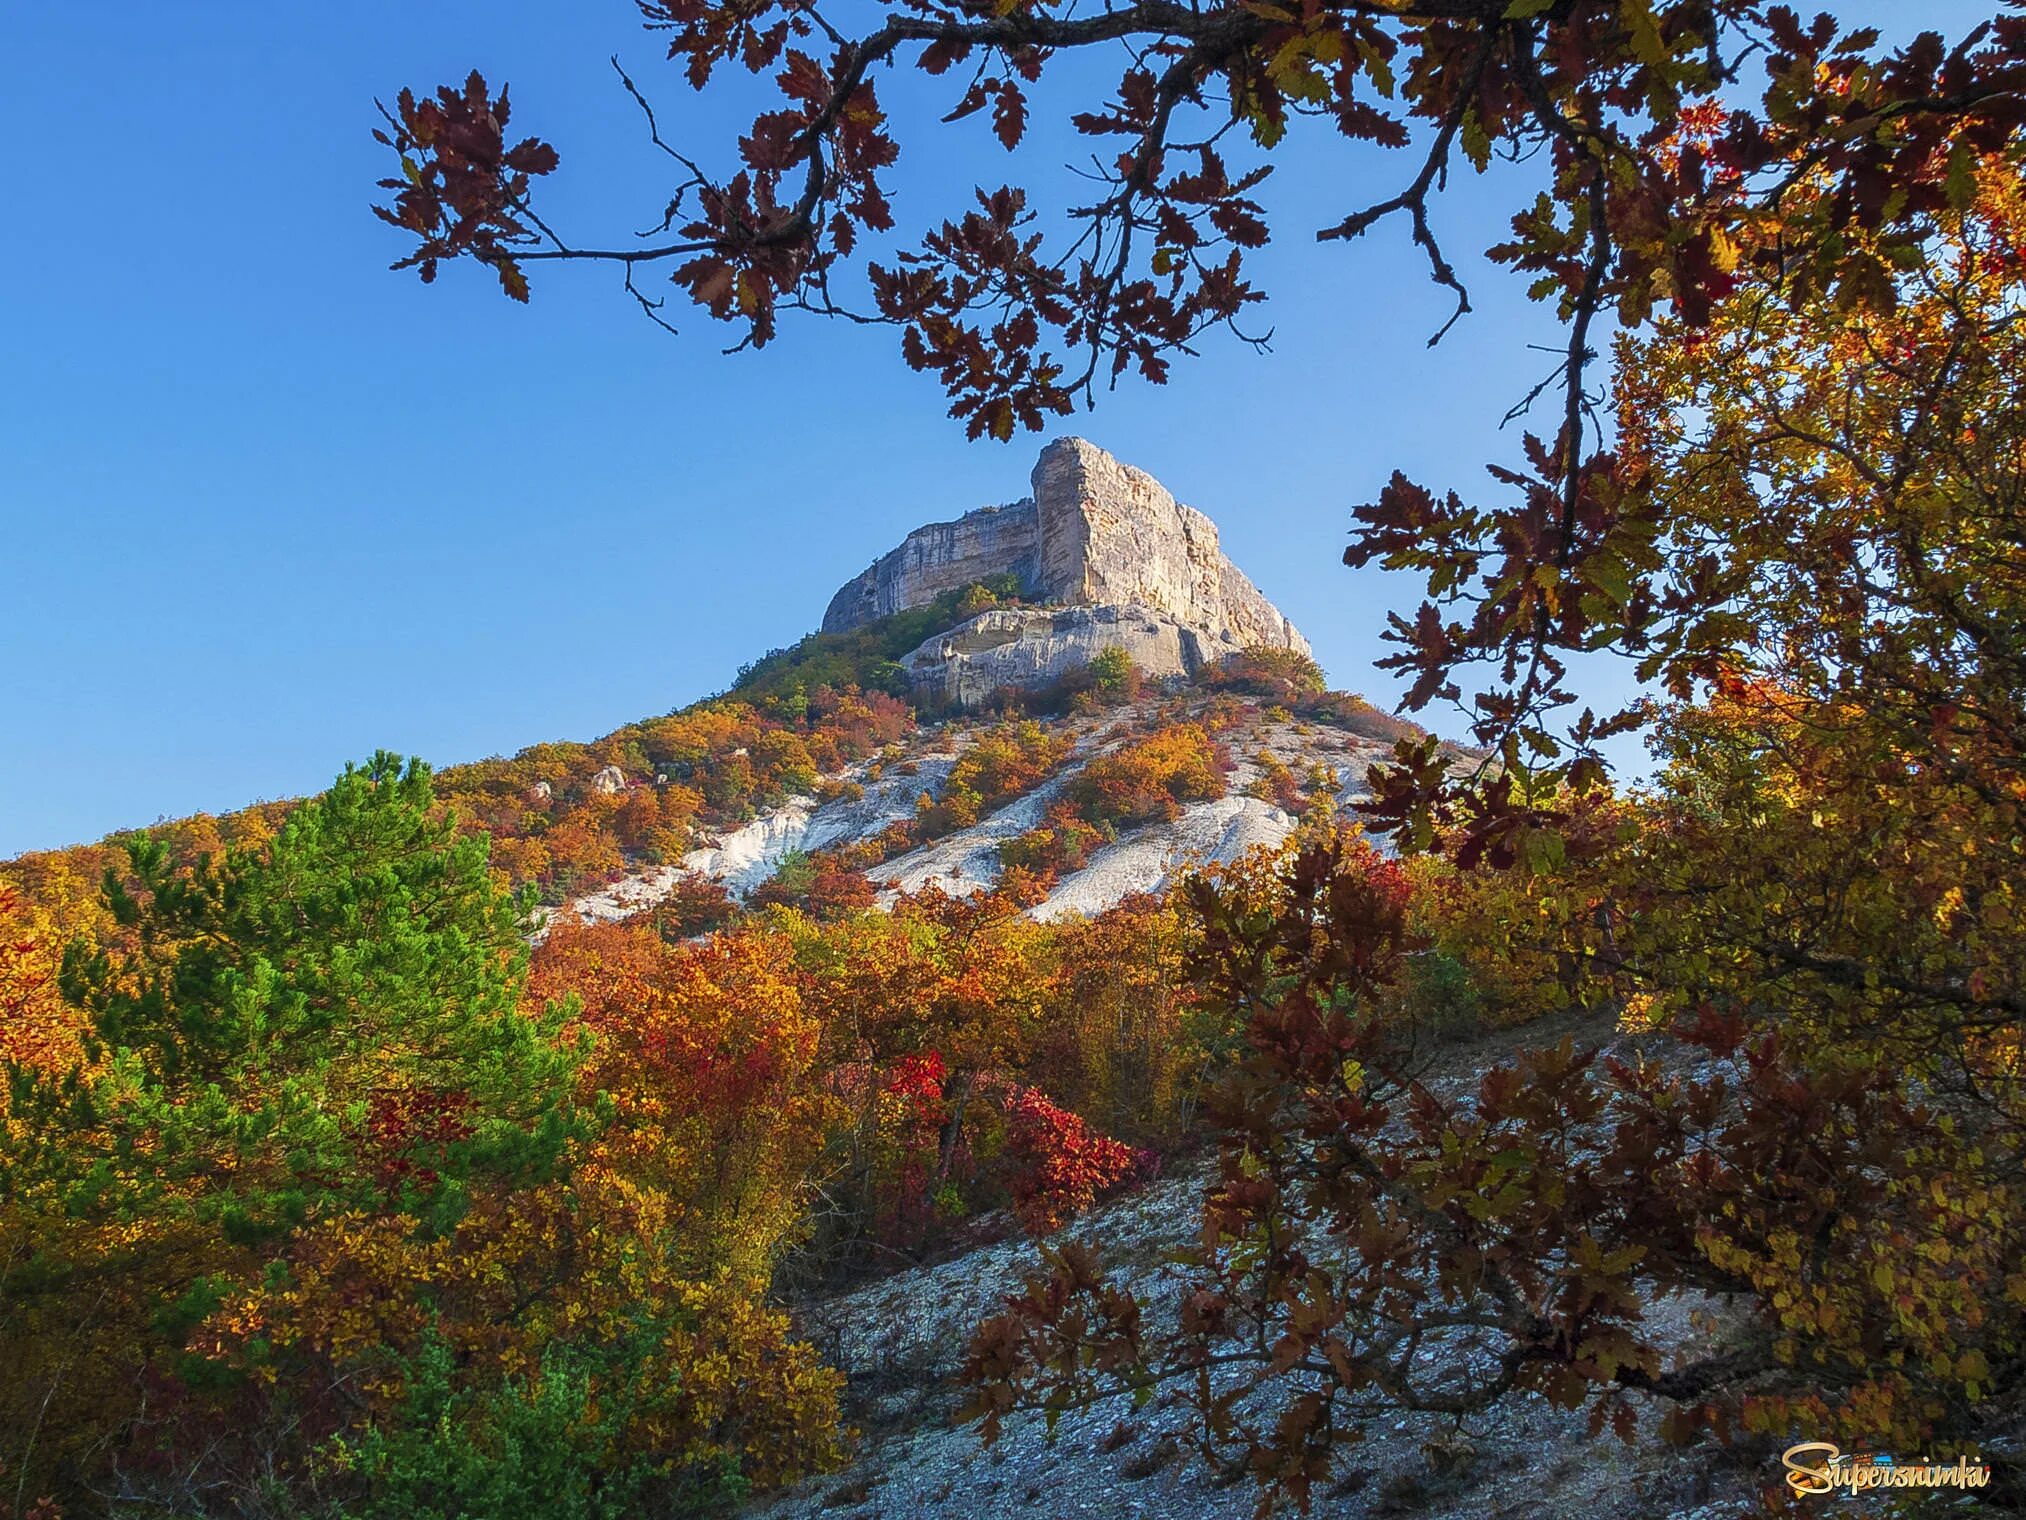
{"x":1063,"y":1163}
{"x":1278,"y":785}
{"x":694,"y":905}
{"x":404,"y":1127}
{"x":912,"y":1116}
{"x":838,"y":890}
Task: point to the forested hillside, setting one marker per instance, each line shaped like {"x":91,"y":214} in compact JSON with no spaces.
{"x":309,"y":1152}
{"x":1056,"y":1025}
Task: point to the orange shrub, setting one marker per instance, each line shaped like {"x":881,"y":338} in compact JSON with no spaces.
{"x":1151,"y":778}
{"x":999,"y":765}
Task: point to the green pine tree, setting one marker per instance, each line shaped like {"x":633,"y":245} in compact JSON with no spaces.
{"x":277,"y":1002}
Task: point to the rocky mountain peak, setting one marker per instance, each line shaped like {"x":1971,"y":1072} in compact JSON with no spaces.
{"x":1109,"y":555}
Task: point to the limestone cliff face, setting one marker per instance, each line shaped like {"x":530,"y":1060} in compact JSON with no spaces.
{"x":1095,"y":533}
{"x":1027,"y":648}
{"x":1113,"y":535}
{"x":941,"y":557}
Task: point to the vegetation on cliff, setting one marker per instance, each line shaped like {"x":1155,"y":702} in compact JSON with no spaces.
{"x":779,"y":682}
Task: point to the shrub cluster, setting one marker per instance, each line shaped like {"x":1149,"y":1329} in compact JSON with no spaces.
{"x":782,"y":681}
{"x":310,"y":1199}
{"x":1282,"y":676}
{"x":998,"y":766}
{"x":1148,"y":778}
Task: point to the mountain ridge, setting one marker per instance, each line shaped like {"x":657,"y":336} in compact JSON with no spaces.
{"x":1121,"y":621}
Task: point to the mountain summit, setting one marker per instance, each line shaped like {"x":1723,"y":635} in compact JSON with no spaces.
{"x":1111,"y":556}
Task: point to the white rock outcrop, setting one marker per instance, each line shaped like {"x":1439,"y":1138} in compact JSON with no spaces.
{"x":1095,"y":533}
{"x":941,"y":557}
{"x":1033,"y":647}
{"x":1207,"y":833}
{"x":1110,"y":533}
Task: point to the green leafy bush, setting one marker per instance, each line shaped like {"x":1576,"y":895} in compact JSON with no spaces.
{"x":530,"y":1449}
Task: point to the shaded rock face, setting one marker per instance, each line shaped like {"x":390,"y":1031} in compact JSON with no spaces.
{"x":1028,"y":648}
{"x":941,"y":557}
{"x":1096,"y":533}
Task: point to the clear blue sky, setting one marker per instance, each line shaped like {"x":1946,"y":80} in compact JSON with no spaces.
{"x":268,"y":506}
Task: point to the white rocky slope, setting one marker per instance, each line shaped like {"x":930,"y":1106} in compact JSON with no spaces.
{"x":1141,"y":860}
{"x":900,"y":1342}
